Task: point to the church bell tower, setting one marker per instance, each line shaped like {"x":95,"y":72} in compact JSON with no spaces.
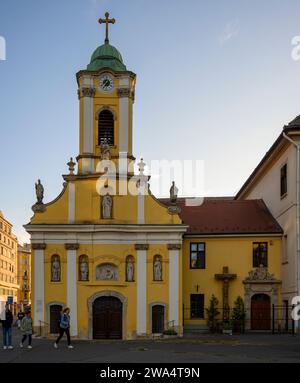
{"x":106,"y":96}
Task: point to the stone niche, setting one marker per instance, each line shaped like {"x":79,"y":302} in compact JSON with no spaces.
{"x":107,"y":272}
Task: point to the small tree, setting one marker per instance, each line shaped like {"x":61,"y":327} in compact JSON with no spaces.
{"x":238,"y":315}
{"x":212,"y":313}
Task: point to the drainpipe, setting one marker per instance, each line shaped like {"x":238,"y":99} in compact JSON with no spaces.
{"x":297,"y":146}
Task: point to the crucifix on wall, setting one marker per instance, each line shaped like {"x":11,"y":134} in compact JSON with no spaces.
{"x":225,"y":277}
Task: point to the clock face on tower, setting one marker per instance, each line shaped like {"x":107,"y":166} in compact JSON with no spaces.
{"x":106,"y":83}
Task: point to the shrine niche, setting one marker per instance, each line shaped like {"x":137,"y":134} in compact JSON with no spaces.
{"x":107,"y":272}
{"x":260,"y":281}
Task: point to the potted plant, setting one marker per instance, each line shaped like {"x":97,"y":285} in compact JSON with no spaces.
{"x":227,"y":328}
{"x":170,"y":333}
{"x":238,"y":315}
{"x":212,"y":314}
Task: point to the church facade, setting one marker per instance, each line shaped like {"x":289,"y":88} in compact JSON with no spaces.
{"x":126,"y":263}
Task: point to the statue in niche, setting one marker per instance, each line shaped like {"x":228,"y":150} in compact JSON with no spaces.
{"x":105,"y":150}
{"x":107,"y":206}
{"x":55,"y":269}
{"x":157,"y":269}
{"x":39,"y":190}
{"x":129,"y":270}
{"x":84,"y":269}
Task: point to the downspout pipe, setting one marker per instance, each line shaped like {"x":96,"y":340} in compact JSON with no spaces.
{"x":297,"y":146}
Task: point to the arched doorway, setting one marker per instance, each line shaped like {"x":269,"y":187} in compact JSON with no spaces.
{"x":158,"y":315}
{"x":260,"y":312}
{"x":107,"y":318}
{"x":55,"y":312}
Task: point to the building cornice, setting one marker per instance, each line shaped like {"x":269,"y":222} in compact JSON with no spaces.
{"x":116,"y":228}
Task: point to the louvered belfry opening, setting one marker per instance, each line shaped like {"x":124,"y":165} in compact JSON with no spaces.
{"x":106,"y":127}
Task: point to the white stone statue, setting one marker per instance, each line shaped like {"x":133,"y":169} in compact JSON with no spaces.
{"x":55,"y":269}
{"x":105,"y":150}
{"x":107,"y":206}
{"x":84,"y":270}
{"x":129,"y":271}
{"x":157,"y":268}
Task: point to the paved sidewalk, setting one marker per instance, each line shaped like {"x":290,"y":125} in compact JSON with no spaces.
{"x":204,"y":348}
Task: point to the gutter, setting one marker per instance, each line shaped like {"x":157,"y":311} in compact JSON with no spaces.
{"x":297,"y":146}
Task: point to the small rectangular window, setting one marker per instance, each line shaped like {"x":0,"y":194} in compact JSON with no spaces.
{"x":285,"y":249}
{"x":283,"y":181}
{"x":197,"y":306}
{"x":260,"y":254}
{"x":197,"y":255}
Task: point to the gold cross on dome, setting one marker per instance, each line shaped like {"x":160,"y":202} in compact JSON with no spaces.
{"x":107,"y":21}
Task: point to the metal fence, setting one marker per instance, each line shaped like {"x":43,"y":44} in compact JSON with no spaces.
{"x":276,"y":319}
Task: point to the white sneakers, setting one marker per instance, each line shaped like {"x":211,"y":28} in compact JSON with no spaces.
{"x":21,"y":345}
{"x":30,"y":347}
{"x":4,"y":347}
{"x":56,"y":346}
{"x":10,"y":347}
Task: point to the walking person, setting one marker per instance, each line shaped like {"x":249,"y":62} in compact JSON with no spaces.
{"x":6,"y":326}
{"x":64,"y":328}
{"x":27,"y":329}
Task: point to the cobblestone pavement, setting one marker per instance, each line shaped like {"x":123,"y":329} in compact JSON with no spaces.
{"x":203,"y":348}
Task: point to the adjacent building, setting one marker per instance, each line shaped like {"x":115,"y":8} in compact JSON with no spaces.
{"x":276,"y":180}
{"x":8,"y":264}
{"x":24,"y":275}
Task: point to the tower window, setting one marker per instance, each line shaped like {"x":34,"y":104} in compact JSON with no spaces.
{"x":106,"y":127}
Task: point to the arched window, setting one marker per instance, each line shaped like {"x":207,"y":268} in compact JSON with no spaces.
{"x":129,"y":268}
{"x":83,"y":268}
{"x":55,"y":268}
{"x":157,"y":268}
{"x":106,"y":127}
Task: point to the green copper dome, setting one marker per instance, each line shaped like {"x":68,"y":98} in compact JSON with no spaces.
{"x":106,"y":56}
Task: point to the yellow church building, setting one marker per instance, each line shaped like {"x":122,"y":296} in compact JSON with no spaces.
{"x":128,"y":264}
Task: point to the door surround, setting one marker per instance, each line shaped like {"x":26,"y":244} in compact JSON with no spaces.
{"x":259,"y":281}
{"x":107,"y":293}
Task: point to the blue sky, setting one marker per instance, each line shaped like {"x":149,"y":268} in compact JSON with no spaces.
{"x":215,"y":82}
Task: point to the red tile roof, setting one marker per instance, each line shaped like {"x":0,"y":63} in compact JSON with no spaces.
{"x":228,"y":216}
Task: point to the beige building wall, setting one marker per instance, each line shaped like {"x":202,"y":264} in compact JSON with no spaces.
{"x":8,"y":263}
{"x":267,"y":187}
{"x":24,"y":275}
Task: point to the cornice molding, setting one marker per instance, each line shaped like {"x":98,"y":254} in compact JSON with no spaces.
{"x":141,"y":246}
{"x":71,"y":246}
{"x":174,"y":246}
{"x":38,"y":246}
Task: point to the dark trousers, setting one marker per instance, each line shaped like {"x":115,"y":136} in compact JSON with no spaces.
{"x":61,"y":334}
{"x":6,"y":336}
{"x":29,"y":339}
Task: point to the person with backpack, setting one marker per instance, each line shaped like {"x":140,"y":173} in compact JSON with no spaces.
{"x":26,"y":328}
{"x":6,"y":325}
{"x":64,"y":328}
{"x":20,"y":316}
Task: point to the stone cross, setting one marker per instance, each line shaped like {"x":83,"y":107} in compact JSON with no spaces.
{"x":225,"y":277}
{"x":107,"y":21}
